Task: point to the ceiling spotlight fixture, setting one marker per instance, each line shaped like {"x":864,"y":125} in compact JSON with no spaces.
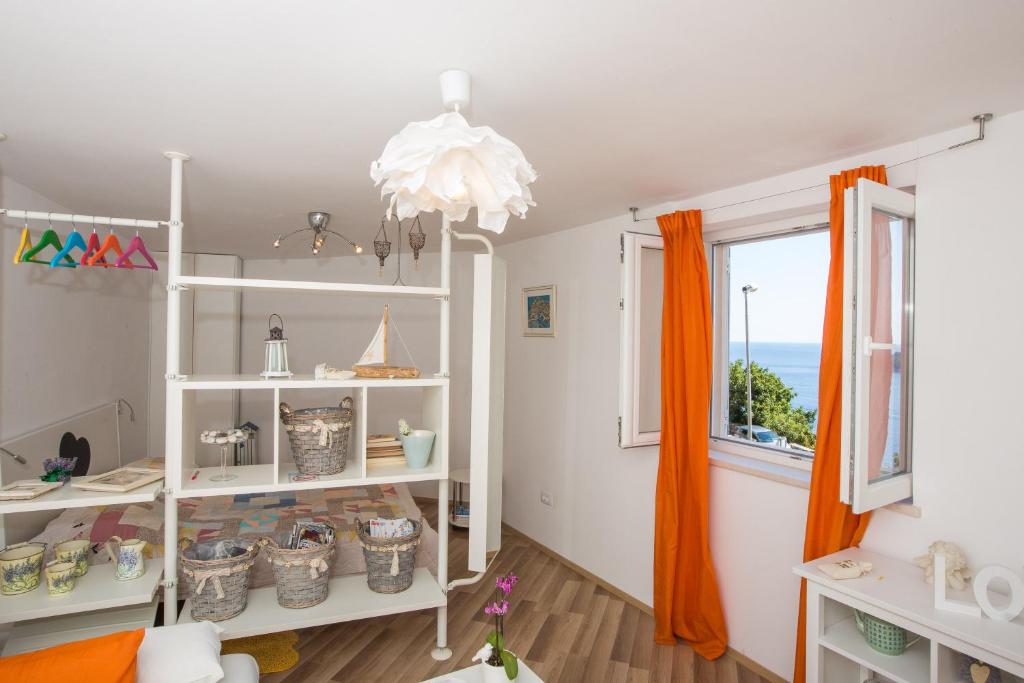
{"x":318,"y":221}
{"x":3,"y":136}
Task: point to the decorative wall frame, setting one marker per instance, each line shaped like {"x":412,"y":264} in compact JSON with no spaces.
{"x":539,"y":311}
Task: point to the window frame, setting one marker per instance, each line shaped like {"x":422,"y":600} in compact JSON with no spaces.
{"x":631,"y":246}
{"x":716,"y":248}
{"x":855,"y":488}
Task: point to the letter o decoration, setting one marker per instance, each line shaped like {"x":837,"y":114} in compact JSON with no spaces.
{"x":1016,"y":604}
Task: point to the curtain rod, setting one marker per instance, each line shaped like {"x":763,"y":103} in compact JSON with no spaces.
{"x":980,"y":119}
{"x":78,"y":218}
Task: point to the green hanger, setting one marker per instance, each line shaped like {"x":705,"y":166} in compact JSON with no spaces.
{"x":50,"y":238}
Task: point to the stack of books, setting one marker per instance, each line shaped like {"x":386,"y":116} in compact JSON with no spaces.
{"x":384,"y":448}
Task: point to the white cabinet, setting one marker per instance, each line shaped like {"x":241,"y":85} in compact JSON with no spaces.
{"x":895,"y":591}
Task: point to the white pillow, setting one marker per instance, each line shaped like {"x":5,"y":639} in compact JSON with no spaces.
{"x":183,"y":653}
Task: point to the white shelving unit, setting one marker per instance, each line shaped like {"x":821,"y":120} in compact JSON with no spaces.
{"x":896,"y":592}
{"x":348,"y":596}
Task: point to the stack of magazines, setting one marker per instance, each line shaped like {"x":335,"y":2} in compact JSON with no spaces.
{"x":310,"y":535}
{"x":390,"y":528}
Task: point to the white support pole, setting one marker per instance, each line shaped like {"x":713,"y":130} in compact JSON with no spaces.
{"x":174,"y":398}
{"x":442,"y":651}
{"x":446,"y":284}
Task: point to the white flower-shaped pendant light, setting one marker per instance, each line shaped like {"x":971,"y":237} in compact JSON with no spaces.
{"x":447,"y":165}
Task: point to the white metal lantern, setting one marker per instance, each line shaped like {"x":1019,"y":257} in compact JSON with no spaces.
{"x":276,"y":361}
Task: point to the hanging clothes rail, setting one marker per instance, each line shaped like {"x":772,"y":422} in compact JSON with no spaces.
{"x":78,"y":218}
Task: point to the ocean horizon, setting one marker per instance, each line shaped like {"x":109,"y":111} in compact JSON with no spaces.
{"x":797,"y":364}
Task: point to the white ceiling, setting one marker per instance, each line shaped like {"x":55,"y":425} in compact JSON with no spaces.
{"x":284,"y":104}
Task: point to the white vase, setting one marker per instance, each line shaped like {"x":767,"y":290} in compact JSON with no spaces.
{"x":494,"y":674}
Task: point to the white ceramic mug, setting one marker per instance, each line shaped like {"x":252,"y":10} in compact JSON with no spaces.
{"x":129,"y":560}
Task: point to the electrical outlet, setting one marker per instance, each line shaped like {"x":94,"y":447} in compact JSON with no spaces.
{"x":546,"y":498}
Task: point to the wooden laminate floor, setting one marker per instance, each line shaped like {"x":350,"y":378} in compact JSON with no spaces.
{"x":564,"y":625}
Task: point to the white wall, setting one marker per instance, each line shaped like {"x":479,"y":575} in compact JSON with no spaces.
{"x":561,"y":393}
{"x":70,"y":339}
{"x":210,"y":321}
{"x":336,"y":329}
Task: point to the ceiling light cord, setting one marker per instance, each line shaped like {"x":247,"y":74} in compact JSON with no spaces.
{"x":980,"y":119}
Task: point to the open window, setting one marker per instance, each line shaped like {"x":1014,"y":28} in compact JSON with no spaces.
{"x":640,"y":371}
{"x":878,"y":299}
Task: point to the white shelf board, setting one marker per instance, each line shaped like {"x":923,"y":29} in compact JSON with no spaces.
{"x":301,"y":382}
{"x":249,"y":479}
{"x":42,"y":633}
{"x":912,"y":666}
{"x":68,"y":497}
{"x":98,"y":589}
{"x":386,"y":473}
{"x":348,"y":598}
{"x":349,"y":477}
{"x":261,"y":478}
{"x":195,"y":281}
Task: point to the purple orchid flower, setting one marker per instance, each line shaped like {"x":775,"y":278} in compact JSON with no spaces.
{"x":506,"y":583}
{"x":497,"y":608}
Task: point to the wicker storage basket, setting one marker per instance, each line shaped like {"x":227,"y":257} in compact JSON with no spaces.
{"x":390,"y":562}
{"x":319,"y":436}
{"x":301,"y":575}
{"x":217,"y":573}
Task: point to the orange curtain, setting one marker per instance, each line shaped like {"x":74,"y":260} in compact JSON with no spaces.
{"x":831,"y":526}
{"x":686,"y":601}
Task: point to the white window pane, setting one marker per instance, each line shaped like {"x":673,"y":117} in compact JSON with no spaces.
{"x":652,"y":284}
{"x":885,"y":398}
{"x":778,"y":322}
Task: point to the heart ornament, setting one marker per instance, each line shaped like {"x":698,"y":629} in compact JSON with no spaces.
{"x":980,"y":672}
{"x":76,"y":447}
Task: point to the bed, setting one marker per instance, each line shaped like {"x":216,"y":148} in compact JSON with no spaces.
{"x":248,"y":516}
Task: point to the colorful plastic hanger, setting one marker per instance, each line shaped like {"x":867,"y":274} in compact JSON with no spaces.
{"x":91,"y":247}
{"x":24,"y":245}
{"x":136,"y":245}
{"x":50,"y":238}
{"x":111,"y":243}
{"x":74,"y":241}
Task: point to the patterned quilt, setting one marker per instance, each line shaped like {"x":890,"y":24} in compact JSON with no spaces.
{"x":252,"y":515}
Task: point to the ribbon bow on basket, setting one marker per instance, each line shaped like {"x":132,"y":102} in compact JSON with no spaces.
{"x":324,"y":430}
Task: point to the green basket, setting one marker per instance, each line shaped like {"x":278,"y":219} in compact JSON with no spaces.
{"x":889,"y":639}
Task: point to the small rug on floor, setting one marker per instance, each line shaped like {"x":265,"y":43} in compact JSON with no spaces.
{"x":272,"y":651}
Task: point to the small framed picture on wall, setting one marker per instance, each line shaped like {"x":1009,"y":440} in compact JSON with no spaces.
{"x":539,"y":311}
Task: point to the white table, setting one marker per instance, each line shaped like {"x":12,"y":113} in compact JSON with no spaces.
{"x":472,"y":675}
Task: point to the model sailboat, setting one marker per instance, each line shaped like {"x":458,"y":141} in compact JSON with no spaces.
{"x":374,"y":361}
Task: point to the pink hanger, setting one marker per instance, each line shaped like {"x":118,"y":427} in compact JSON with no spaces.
{"x":135,"y":245}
